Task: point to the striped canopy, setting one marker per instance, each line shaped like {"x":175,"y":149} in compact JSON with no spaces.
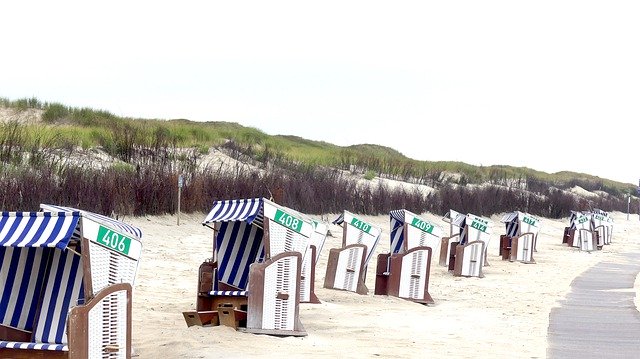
{"x":246,"y":210}
{"x":104,"y":220}
{"x":396,"y":219}
{"x":37,"y":229}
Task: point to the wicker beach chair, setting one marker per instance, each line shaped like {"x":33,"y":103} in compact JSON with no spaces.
{"x":404,"y":272}
{"x":519,"y":241}
{"x":347,"y":266}
{"x":66,"y":284}
{"x":252,"y":282}
{"x":584,"y":236}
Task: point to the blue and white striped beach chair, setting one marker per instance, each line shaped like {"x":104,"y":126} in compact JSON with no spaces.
{"x":404,"y":272}
{"x":252,"y":282}
{"x":519,"y":242}
{"x":471,"y":252}
{"x":347,"y":266}
{"x":48,"y":308}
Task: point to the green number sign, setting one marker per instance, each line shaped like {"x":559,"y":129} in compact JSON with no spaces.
{"x":530,"y":221}
{"x":113,"y":240}
{"x":363,"y":226}
{"x":422,"y":225}
{"x":288,"y":220}
{"x":479,"y":226}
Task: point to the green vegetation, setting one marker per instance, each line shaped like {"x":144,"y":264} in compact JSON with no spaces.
{"x":67,"y":127}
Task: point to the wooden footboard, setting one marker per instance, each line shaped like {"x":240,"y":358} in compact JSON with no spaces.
{"x":102,"y":325}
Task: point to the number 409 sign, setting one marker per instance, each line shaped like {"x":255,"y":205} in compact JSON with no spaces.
{"x":113,"y":240}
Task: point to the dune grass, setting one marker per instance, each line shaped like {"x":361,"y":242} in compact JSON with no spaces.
{"x":68,"y":127}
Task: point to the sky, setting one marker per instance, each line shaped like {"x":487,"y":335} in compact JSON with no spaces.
{"x":549,"y":85}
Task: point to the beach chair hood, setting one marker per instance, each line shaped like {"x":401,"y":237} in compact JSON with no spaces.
{"x":37,"y":229}
{"x":399,"y":218}
{"x":515,"y":220}
{"x":239,"y":237}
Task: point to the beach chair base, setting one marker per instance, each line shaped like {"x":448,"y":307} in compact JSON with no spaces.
{"x":81,"y":318}
{"x":469,"y":259}
{"x":446,"y":248}
{"x":338,"y":267}
{"x":274,"y":296}
{"x":521,"y":244}
{"x":210,"y":310}
{"x":203,"y":318}
{"x":395,"y":274}
{"x":567,"y":237}
{"x":382,"y":274}
{"x":299,"y":332}
{"x":452,"y":256}
{"x":230,"y":316}
{"x":505,"y":247}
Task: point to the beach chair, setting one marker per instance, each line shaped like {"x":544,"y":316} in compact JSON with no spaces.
{"x":569,"y":231}
{"x":519,"y":242}
{"x":59,"y":297}
{"x":404,"y":272}
{"x":584,"y":236}
{"x":307,"y":279}
{"x":471,"y":252}
{"x":603,"y":224}
{"x":347,"y":266}
{"x":252,"y":282}
{"x":456,"y":221}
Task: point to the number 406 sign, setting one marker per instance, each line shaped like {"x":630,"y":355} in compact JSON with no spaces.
{"x":113,"y":240}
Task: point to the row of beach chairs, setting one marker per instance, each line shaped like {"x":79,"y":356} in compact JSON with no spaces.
{"x":67,"y":274}
{"x":264,"y":259}
{"x":588,"y":230}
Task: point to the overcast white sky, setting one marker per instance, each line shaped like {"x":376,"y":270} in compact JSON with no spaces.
{"x":549,"y":85}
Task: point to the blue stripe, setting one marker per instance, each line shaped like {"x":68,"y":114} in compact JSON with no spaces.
{"x":68,"y":234}
{"x":44,"y":265}
{"x":62,"y":321}
{"x":396,"y":235}
{"x":233,"y":274}
{"x":50,"y":309}
{"x":43,"y":225}
{"x":252,"y":256}
{"x":11,"y":231}
{"x":228,"y":265}
{"x":3,"y":222}
{"x":234,"y":210}
{"x":11,"y":276}
{"x":224,"y":259}
{"x":24,"y":286}
{"x":27,"y":228}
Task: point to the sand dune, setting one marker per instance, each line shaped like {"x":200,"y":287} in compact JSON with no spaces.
{"x":505,"y":314}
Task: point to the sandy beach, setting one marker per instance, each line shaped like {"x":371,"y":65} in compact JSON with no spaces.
{"x":504,"y":314}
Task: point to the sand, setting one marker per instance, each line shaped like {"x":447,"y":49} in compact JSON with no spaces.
{"x":504,"y":314}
